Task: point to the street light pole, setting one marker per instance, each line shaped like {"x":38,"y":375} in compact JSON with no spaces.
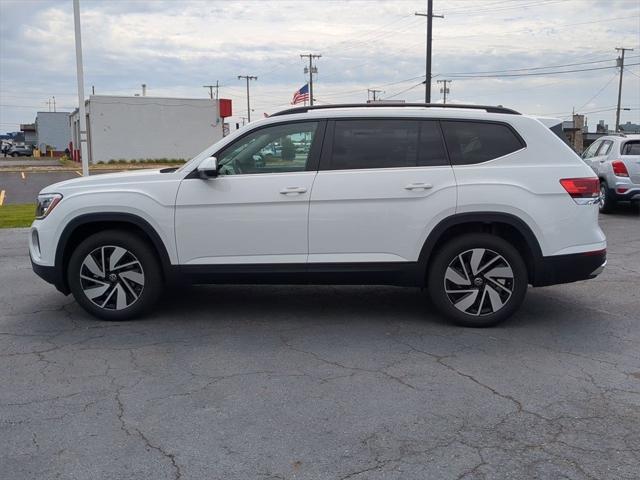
{"x":84,"y":156}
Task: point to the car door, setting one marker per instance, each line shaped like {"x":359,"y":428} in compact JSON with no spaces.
{"x":256,"y":210}
{"x":601,"y":156}
{"x":589,"y":153}
{"x":382,"y":184}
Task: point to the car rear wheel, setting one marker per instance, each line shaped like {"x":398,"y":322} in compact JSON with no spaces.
{"x":478,"y":280}
{"x":606,"y":202}
{"x":114,"y":275}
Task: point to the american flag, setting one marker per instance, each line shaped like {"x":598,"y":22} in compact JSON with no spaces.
{"x":301,"y":95}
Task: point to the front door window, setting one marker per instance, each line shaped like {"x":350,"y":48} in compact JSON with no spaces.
{"x":274,"y":149}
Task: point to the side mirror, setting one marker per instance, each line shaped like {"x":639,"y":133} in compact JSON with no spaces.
{"x":208,"y":168}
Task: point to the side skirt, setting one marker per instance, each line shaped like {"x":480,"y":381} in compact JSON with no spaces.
{"x":385,"y":273}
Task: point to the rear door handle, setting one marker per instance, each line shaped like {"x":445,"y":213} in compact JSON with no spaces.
{"x":293,"y":190}
{"x":418,"y":186}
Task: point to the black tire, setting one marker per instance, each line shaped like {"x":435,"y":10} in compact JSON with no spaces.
{"x":15,"y":154}
{"x":118,"y":274}
{"x":492,"y":290}
{"x":606,"y":203}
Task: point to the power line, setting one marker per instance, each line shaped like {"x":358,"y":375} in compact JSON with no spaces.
{"x":597,"y":93}
{"x":403,"y":91}
{"x":534,"y":68}
{"x":504,"y":8}
{"x":528,"y":30}
{"x":538,"y":73}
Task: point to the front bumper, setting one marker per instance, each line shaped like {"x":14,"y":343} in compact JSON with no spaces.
{"x":51,"y":275}
{"x":569,"y":268}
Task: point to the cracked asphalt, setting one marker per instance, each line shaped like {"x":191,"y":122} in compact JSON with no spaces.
{"x":279,"y":382}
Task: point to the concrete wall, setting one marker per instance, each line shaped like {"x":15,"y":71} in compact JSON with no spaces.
{"x":150,"y":128}
{"x":53,"y":129}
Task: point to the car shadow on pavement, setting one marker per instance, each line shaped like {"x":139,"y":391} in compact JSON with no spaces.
{"x":625,"y":210}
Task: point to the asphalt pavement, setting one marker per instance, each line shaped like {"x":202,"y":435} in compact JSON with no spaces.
{"x":284,"y":382}
{"x":23,"y":186}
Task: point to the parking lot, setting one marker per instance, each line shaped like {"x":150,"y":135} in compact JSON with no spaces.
{"x":280,"y":382}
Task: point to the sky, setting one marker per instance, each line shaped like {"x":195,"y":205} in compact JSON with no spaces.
{"x":176,"y":47}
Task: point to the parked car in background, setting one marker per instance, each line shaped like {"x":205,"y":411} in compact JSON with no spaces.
{"x":20,"y":151}
{"x":616,"y":161}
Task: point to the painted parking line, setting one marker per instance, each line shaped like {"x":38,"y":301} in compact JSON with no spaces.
{"x":1,"y":197}
{"x":78,"y":173}
{"x":22,"y":175}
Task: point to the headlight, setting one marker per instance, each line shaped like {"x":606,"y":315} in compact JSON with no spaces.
{"x":46,"y":203}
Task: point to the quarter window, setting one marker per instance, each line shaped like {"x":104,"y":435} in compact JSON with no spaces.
{"x":275,"y":149}
{"x":476,"y":142}
{"x":377,"y":143}
{"x":631,"y":148}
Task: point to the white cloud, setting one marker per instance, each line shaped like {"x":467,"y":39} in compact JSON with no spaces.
{"x":176,"y":47}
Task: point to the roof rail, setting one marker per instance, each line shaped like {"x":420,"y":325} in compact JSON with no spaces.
{"x":487,"y":108}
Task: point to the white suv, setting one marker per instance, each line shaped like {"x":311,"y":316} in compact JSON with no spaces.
{"x":475,"y":203}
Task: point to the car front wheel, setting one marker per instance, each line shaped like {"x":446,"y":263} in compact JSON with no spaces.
{"x":114,"y":275}
{"x":478,"y":280}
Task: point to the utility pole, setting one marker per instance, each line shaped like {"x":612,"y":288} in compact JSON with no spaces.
{"x":429,"y":15}
{"x":310,"y":70}
{"x":444,"y":90}
{"x":93,"y":89}
{"x":620,"y":62}
{"x":372,"y":91}
{"x":247,"y":78}
{"x":54,"y":103}
{"x":211,"y":87}
{"x":79,"y":71}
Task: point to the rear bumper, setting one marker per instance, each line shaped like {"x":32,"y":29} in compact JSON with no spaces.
{"x":629,"y":195}
{"x":569,"y":268}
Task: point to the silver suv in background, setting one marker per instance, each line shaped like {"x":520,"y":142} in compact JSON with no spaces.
{"x":616,"y":161}
{"x":20,"y":151}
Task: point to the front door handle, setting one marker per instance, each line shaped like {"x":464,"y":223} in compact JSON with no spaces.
{"x":293,"y":190}
{"x":418,"y":186}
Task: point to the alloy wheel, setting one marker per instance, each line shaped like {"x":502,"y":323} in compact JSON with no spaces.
{"x":602,"y":198}
{"x":479,"y":282}
{"x":112,"y":277}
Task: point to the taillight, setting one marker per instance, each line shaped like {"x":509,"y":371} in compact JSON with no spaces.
{"x":584,"y":191}
{"x":619,"y":168}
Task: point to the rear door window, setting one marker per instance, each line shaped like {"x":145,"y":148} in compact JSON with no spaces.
{"x":604,"y":148}
{"x":374,"y":143}
{"x":477,"y":142}
{"x":431,"y":151}
{"x":386,"y":143}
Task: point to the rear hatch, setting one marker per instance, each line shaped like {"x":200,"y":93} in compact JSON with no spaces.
{"x":630,"y":156}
